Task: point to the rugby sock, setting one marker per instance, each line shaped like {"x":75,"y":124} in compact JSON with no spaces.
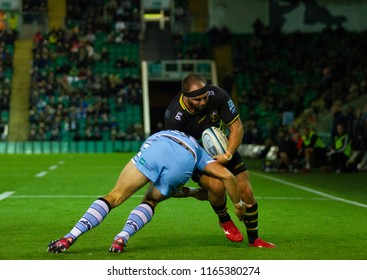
{"x":92,"y":218}
{"x":138,"y":218}
{"x":221,"y":212}
{"x":251,"y":223}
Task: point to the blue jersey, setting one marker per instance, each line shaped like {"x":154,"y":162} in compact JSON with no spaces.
{"x":168,"y":159}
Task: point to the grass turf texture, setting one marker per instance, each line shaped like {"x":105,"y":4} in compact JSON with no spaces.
{"x":303,"y":225}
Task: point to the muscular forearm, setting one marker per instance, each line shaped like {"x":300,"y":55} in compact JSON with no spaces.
{"x":235,"y":136}
{"x":235,"y":195}
{"x":232,"y":189}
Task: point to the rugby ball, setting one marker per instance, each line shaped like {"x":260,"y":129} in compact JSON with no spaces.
{"x":214,"y":141}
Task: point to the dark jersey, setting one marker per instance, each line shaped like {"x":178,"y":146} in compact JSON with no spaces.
{"x":220,"y":109}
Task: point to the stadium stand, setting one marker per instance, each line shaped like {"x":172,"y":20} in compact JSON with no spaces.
{"x":276,"y":66}
{"x":7,"y":38}
{"x":85,"y":83}
{"x":85,"y":78}
{"x":194,"y":45}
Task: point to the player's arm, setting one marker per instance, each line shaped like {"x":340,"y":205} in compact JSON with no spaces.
{"x":235,"y":136}
{"x":230,"y":183}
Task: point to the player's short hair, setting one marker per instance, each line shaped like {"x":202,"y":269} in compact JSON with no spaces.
{"x":190,"y":80}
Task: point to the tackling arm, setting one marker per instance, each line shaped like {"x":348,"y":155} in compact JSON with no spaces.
{"x":229,"y":181}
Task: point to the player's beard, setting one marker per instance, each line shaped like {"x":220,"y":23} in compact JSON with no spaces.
{"x":197,"y":108}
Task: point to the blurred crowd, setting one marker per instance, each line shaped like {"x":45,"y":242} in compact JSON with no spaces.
{"x":7,"y":38}
{"x":295,"y":149}
{"x":291,"y":71}
{"x":309,"y":75}
{"x":306,"y":74}
{"x":68,"y":99}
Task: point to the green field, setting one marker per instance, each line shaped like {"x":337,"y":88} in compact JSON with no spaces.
{"x":314,"y":216}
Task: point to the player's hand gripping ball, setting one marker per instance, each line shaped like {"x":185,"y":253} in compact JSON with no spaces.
{"x":214,"y":141}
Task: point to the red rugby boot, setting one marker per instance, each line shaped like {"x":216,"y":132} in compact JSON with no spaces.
{"x":259,"y":243}
{"x":231,"y":231}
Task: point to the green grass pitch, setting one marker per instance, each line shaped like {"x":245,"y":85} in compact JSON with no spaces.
{"x":315,"y":216}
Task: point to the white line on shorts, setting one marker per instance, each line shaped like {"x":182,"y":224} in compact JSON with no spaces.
{"x":310,"y":190}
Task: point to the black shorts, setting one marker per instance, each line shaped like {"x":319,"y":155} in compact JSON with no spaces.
{"x":236,"y":166}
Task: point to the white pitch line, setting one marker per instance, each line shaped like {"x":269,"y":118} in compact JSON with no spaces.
{"x":140,"y":196}
{"x":5,"y":195}
{"x":52,"y":167}
{"x":41,"y":174}
{"x":291,"y":198}
{"x":310,"y":190}
{"x":64,"y":196}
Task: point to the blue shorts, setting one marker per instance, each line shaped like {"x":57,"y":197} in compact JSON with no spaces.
{"x":166,"y":163}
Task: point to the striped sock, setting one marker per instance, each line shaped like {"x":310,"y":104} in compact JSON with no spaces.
{"x":92,"y":218}
{"x":251,"y":223}
{"x":221,"y":212}
{"x":139,"y":217}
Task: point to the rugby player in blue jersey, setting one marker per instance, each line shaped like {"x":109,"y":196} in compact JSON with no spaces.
{"x":166,"y":161}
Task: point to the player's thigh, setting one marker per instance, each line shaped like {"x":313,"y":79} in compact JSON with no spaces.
{"x":129,"y":181}
{"x":153,"y":196}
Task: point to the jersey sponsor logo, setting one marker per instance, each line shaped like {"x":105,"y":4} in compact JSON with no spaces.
{"x":214,"y":116}
{"x":178,"y":116}
{"x":231,"y":106}
{"x":143,"y":162}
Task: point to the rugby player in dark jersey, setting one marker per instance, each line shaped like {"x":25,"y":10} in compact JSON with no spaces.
{"x":196,"y":107}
